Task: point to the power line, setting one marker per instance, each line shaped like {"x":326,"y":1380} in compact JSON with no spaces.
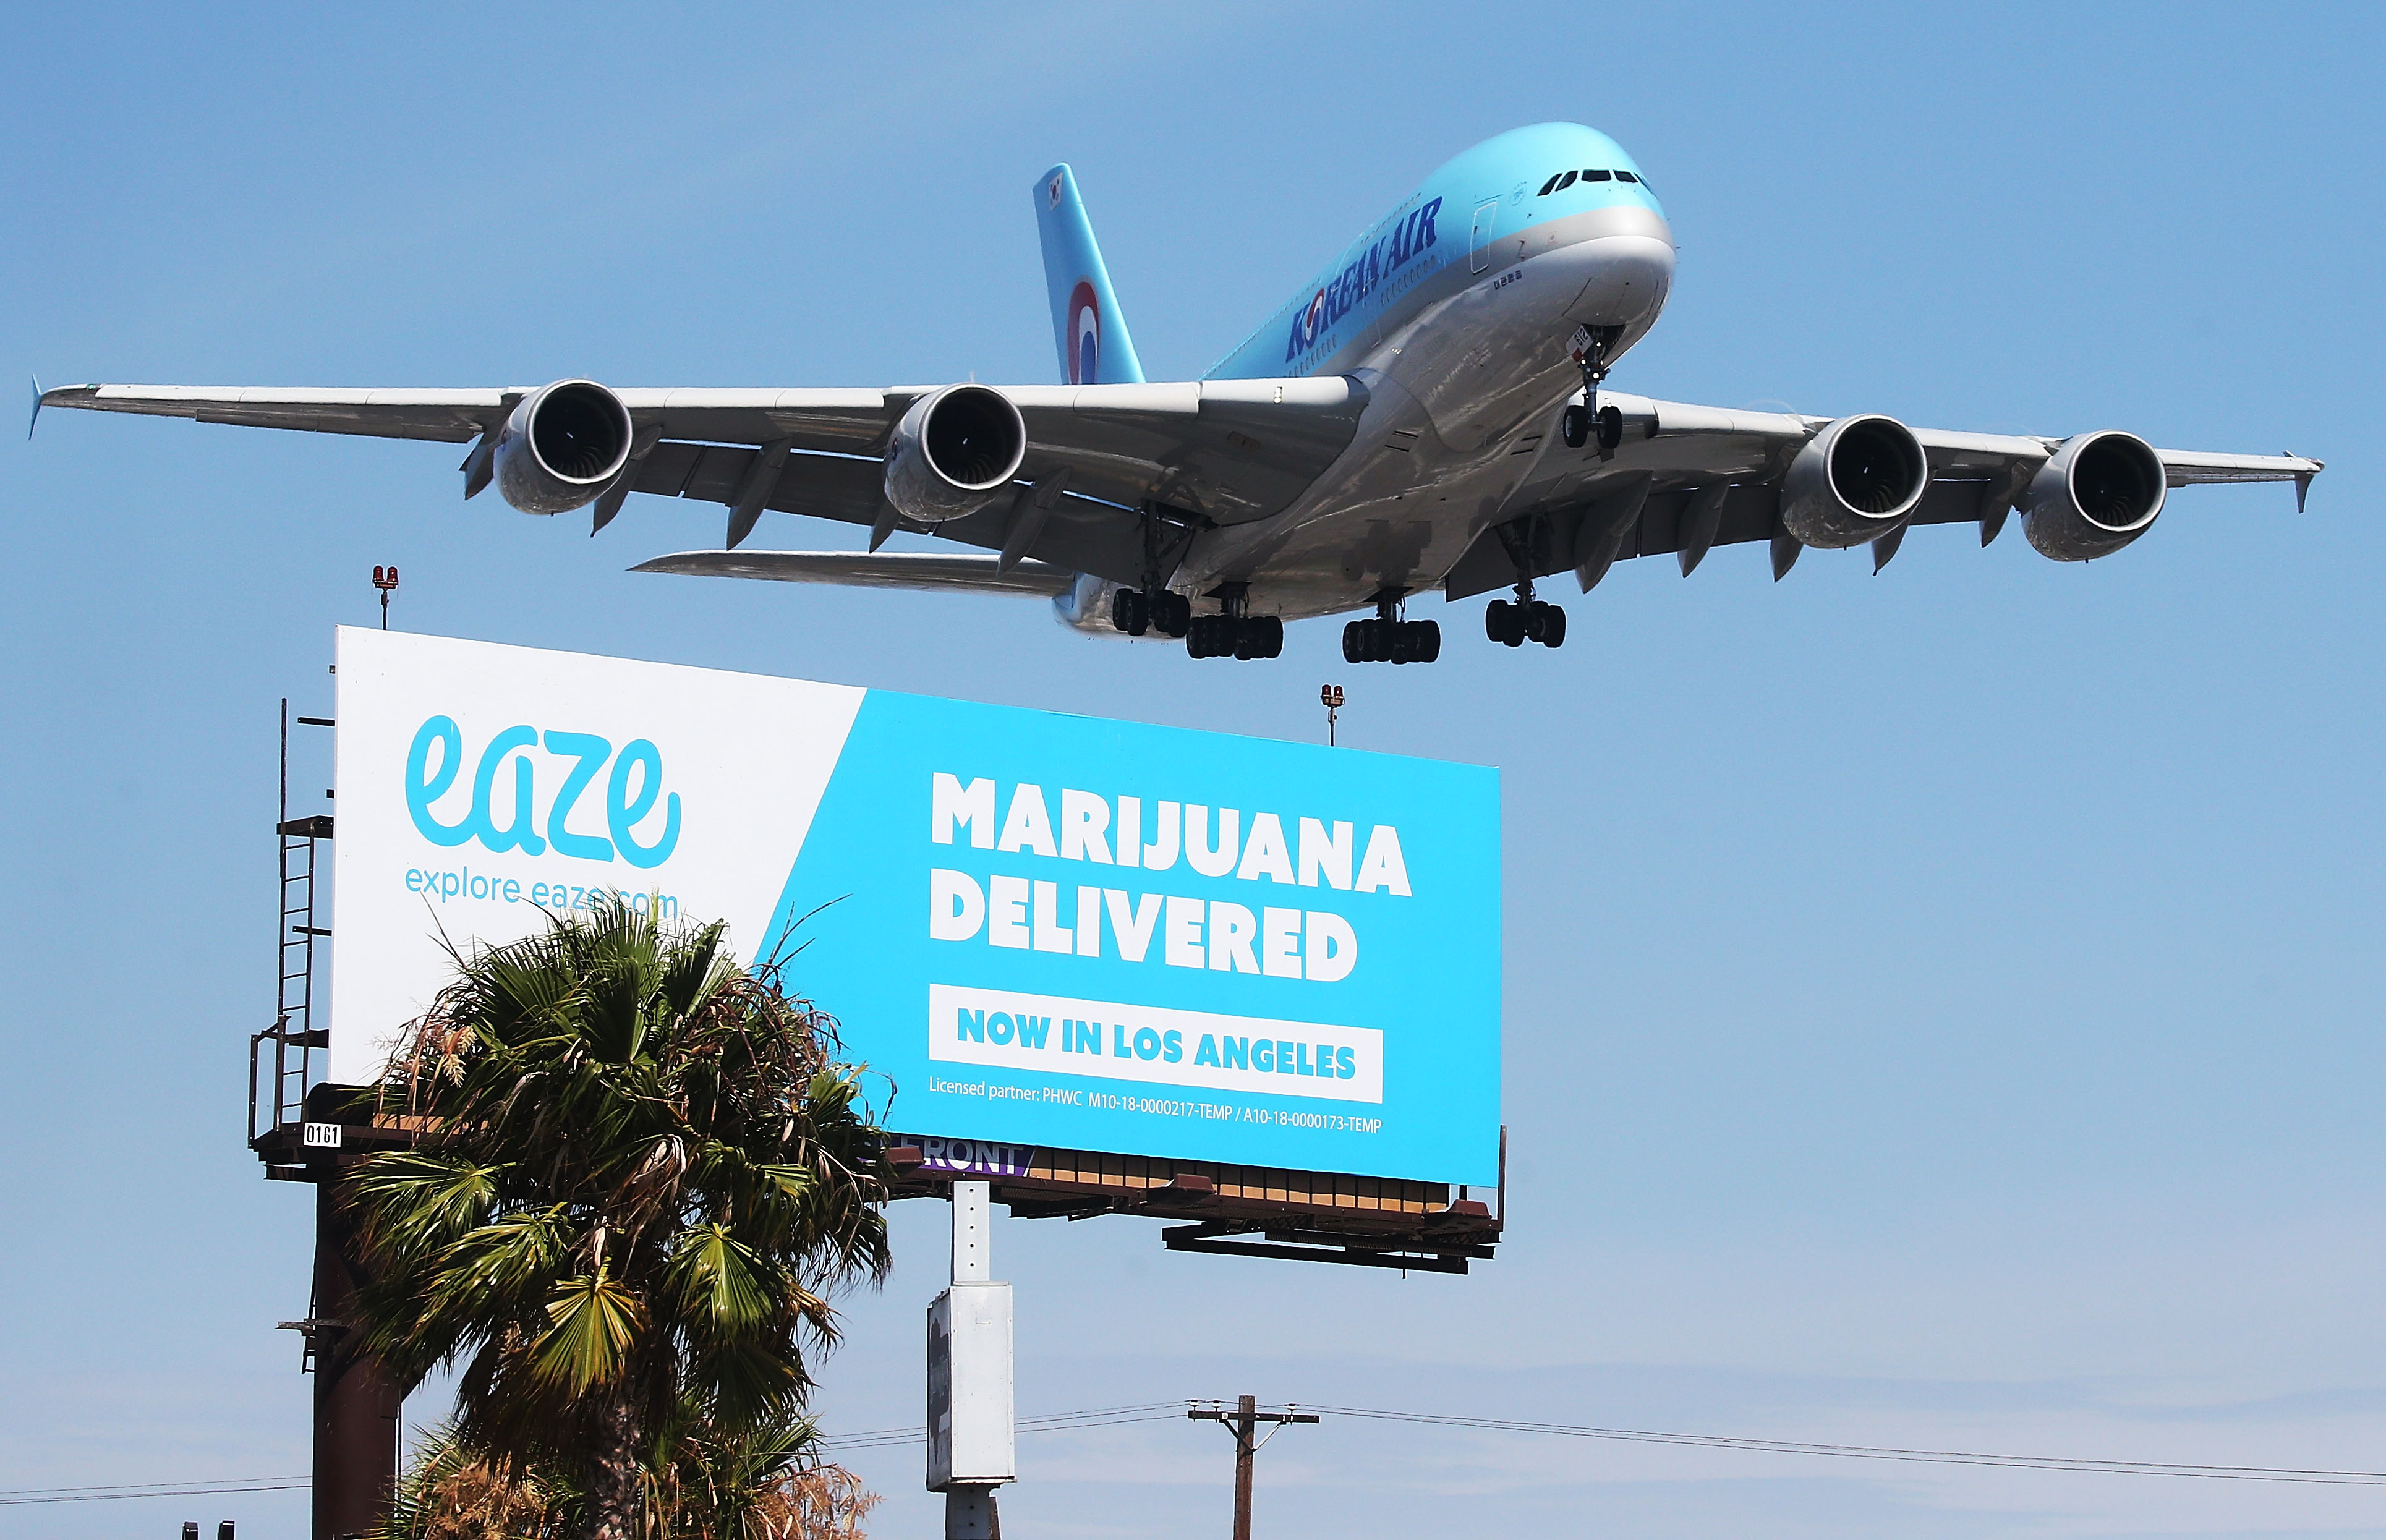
{"x":1868,"y":1451}
{"x":148,"y":1489}
{"x":1168,"y":1411}
{"x":1116,"y":1416}
{"x":1059,"y":1421}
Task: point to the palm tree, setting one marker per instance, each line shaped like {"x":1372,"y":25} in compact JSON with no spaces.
{"x":763,"y":1483}
{"x":641,"y":1174}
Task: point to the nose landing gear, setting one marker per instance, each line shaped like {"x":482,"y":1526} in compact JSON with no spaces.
{"x":1390,"y":639}
{"x":1589,"y":347}
{"x":1579,"y":424}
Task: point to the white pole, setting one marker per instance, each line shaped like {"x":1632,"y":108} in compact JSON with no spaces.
{"x":972,"y":1382}
{"x":973,"y":1260}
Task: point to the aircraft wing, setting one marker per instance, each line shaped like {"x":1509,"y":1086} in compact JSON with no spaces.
{"x":914,"y":570}
{"x":1688,"y":478}
{"x":1220,"y":452}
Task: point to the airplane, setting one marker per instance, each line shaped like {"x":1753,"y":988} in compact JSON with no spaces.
{"x":1430,"y":411}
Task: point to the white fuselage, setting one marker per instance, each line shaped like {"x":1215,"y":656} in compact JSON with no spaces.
{"x":1465,"y":376}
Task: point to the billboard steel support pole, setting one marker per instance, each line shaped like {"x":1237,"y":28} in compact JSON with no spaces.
{"x":356,"y":1405}
{"x":970,"y":1428}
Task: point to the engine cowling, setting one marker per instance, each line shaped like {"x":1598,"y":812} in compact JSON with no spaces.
{"x":2093,"y":496}
{"x":954,"y":453}
{"x":1859,"y":478}
{"x":562,"y":446}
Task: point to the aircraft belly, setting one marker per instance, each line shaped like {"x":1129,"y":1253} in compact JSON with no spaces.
{"x":1396,"y":512}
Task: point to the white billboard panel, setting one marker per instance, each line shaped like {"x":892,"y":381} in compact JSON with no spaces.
{"x":1043,"y":929}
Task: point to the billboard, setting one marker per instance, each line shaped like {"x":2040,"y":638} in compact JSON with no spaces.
{"x":1044,"y":929}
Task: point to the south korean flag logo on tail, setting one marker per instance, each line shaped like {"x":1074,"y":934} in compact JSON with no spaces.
{"x":1085,"y":335}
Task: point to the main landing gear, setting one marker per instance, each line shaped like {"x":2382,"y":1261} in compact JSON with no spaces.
{"x":1390,"y":639}
{"x":1243,"y":636}
{"x":1230,"y":634}
{"x":1527,"y":620}
{"x":1139,"y":611}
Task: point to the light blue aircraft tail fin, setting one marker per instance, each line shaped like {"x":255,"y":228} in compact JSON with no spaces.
{"x":1086,"y":324}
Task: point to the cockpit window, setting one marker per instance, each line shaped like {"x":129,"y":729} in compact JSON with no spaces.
{"x":1564,"y":180}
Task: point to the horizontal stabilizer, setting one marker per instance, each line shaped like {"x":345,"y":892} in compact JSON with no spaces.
{"x":923,"y":571}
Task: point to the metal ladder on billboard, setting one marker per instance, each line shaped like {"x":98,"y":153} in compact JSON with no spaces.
{"x":293,"y":1034}
{"x":300,"y":1129}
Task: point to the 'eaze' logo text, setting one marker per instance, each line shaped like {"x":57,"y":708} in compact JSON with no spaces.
{"x":631,"y":792}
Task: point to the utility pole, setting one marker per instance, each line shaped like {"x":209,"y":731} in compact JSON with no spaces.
{"x":1330,"y":696}
{"x":1243,"y":1422}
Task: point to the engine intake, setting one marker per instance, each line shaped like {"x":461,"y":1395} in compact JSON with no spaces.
{"x":954,"y":453}
{"x":1857,"y":480}
{"x":2093,"y":495}
{"x":562,"y":446}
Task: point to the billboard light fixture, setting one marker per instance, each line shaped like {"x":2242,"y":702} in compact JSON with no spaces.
{"x":385,"y":578}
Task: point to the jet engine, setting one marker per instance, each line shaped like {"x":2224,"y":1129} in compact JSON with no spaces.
{"x":2093,"y":496}
{"x":1859,"y":478}
{"x":954,"y":453}
{"x":562,"y":446}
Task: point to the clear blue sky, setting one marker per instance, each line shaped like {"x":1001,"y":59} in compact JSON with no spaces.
{"x":1943,"y":1008}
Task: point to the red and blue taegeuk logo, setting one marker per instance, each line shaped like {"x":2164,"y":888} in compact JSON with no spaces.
{"x":1085,"y":335}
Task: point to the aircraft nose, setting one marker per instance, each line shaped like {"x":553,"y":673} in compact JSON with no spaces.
{"x":1628,"y":279}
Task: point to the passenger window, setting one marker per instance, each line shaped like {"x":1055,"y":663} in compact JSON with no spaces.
{"x":1625,"y":176}
{"x":1547,"y":187}
{"x":1597,"y":176}
{"x":1567,"y":183}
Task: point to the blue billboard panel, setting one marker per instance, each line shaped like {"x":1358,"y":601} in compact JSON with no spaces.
{"x":1104,"y":935}
{"x":1043,"y":929}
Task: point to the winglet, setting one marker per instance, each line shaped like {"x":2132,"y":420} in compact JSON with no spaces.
{"x":2302,"y":482}
{"x":1087,"y":326}
{"x":34,"y":421}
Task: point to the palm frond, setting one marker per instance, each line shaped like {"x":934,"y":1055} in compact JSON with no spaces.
{"x":593,"y":1322}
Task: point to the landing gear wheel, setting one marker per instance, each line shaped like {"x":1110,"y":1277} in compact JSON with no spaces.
{"x":1381,"y":641}
{"x":1129,"y":611}
{"x":1243,"y":636}
{"x":1574,"y":427}
{"x":1495,"y":620}
{"x":1553,"y":628}
{"x":1611,"y":430}
{"x":1171,"y":613}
